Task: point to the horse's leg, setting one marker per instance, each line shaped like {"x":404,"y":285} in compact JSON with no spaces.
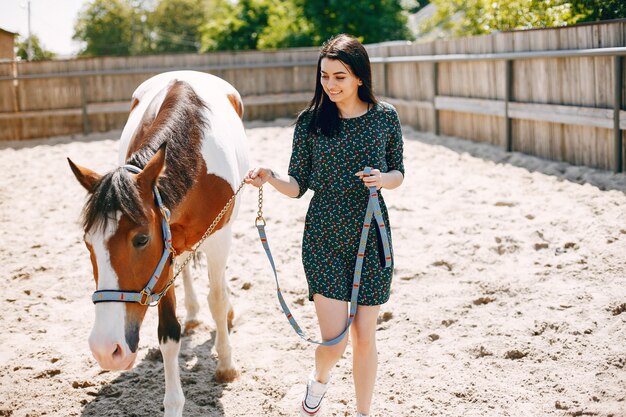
{"x":169,"y":342}
{"x":217,"y":249}
{"x":191,"y":300}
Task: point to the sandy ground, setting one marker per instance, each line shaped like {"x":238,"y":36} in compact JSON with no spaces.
{"x":509,"y":295}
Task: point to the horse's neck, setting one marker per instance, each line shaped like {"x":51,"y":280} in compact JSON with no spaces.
{"x":221,"y":170}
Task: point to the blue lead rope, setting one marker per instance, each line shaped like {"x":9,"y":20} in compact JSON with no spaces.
{"x":373,"y":209}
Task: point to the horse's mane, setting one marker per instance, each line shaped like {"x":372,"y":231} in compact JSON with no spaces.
{"x":179,"y":124}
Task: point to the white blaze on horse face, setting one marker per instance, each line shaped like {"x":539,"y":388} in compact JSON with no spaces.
{"x":108,"y":340}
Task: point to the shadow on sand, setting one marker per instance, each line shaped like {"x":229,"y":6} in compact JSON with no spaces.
{"x":139,"y":392}
{"x":604,"y":180}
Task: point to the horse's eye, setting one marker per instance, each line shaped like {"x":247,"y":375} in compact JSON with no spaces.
{"x":140,"y":240}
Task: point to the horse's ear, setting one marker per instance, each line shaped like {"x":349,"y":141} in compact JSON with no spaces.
{"x":150,"y":173}
{"x":86,"y":177}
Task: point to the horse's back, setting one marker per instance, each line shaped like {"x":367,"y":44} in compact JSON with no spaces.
{"x":223,"y":144}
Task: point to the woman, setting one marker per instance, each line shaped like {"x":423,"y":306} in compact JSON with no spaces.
{"x":343,"y":130}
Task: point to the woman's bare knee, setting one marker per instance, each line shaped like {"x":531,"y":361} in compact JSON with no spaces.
{"x":363,"y":341}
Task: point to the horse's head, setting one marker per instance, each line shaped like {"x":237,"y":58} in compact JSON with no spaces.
{"x":123,"y":233}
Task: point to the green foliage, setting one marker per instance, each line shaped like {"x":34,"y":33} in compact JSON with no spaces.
{"x":477,"y":17}
{"x":414,"y":6}
{"x":265,"y":24}
{"x":38,"y":52}
{"x":370,"y":21}
{"x":174,"y":25}
{"x":130,"y":27}
{"x":256,"y":24}
{"x":286,"y":27}
{"x":106,"y":28}
{"x":603,"y":9}
{"x":236,"y":27}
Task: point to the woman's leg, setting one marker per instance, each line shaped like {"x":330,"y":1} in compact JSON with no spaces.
{"x":332,"y":316}
{"x":365,"y":356}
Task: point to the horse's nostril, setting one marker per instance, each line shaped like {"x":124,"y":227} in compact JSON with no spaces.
{"x":118,"y":351}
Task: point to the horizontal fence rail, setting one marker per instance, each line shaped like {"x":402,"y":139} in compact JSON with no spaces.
{"x":152,"y":70}
{"x":500,"y":56}
{"x":542,"y":102}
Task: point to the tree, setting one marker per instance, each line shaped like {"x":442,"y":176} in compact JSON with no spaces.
{"x":265,"y":24}
{"x":477,"y":17}
{"x":106,"y":28}
{"x":174,"y":25}
{"x":286,"y":27}
{"x":39,"y":53}
{"x":414,"y":6}
{"x":256,"y":24}
{"x":603,"y":9}
{"x":370,"y":21}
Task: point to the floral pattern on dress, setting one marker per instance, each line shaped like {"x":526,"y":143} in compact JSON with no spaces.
{"x":334,"y":219}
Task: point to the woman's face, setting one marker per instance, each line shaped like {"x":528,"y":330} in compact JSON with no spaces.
{"x":338,"y":81}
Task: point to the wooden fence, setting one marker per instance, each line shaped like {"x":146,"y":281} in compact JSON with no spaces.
{"x":555,"y":93}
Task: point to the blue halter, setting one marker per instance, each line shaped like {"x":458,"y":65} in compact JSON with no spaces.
{"x":145,"y":296}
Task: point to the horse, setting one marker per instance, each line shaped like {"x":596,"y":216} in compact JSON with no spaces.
{"x":182,"y":155}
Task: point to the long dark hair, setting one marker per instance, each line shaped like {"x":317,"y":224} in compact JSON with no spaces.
{"x":323,"y":111}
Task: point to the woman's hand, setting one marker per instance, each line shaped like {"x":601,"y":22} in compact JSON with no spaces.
{"x":375,"y":179}
{"x":258,"y":176}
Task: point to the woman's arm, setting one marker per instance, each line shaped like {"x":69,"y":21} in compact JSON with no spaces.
{"x":389,"y":180}
{"x":392,"y":179}
{"x":259,"y":176}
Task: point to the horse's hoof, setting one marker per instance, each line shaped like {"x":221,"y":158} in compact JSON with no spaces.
{"x":226,"y":375}
{"x":230,"y":318}
{"x":190,"y":326}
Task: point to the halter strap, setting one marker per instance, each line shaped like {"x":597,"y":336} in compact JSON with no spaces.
{"x":145,"y":296}
{"x":373,"y":209}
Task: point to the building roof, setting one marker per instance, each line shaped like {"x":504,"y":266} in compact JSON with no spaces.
{"x":7,"y":31}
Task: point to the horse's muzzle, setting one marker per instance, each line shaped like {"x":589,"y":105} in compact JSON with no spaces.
{"x":112,"y":355}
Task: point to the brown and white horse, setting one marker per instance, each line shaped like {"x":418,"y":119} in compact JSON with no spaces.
{"x":186,"y":135}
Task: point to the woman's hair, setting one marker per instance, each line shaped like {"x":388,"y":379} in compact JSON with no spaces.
{"x":323,"y":111}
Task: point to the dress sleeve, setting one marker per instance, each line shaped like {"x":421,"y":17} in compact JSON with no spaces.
{"x":394,"y":150}
{"x":301,"y":155}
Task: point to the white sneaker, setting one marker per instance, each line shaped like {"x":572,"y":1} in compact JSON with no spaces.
{"x":312,"y":401}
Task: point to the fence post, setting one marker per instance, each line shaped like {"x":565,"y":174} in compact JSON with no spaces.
{"x":435,"y":92}
{"x":385,"y":78}
{"x":617,"y":107}
{"x":508,"y":93}
{"x":83,"y":103}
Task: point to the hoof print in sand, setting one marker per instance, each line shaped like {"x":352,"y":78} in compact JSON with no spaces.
{"x":386,"y":316}
{"x":480,"y":352}
{"x":433,"y":337}
{"x":82,"y":384}
{"x":515,"y":354}
{"x":48,"y":373}
{"x":619,"y":309}
{"x":483,"y":301}
{"x":445,"y":264}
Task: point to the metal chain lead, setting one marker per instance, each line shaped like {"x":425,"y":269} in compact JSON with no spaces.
{"x":202,"y":239}
{"x":259,"y":214}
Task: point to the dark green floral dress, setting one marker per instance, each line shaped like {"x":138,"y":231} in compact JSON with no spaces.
{"x":334,"y":220}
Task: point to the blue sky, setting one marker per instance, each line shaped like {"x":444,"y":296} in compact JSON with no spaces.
{"x":51,"y":20}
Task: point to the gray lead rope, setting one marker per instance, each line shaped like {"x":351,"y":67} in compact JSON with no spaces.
{"x":373,"y":209}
